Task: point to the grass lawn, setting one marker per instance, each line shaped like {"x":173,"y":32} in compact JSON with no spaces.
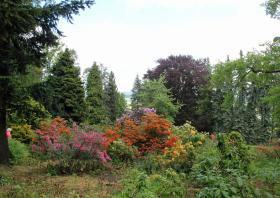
{"x":32,"y":181}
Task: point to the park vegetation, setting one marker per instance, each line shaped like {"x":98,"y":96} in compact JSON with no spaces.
{"x":193,"y":129}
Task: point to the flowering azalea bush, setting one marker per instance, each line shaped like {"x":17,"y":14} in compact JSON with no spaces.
{"x":56,"y":141}
{"x":50,"y":137}
{"x":188,"y":133}
{"x":180,"y":157}
{"x":148,"y":133}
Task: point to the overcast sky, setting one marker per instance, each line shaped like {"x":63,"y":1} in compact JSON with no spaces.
{"x":128,"y":36}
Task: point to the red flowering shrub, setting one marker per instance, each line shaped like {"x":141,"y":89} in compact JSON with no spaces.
{"x":57,"y":141}
{"x":152,"y":134}
{"x":49,"y":135}
{"x":111,"y":136}
{"x":130,"y":132}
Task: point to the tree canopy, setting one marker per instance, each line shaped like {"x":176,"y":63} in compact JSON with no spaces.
{"x":184,"y":77}
{"x":154,"y":94}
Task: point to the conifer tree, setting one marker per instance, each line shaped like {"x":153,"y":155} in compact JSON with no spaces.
{"x":95,"y":96}
{"x":121,"y":104}
{"x":154,"y":94}
{"x":66,"y":88}
{"x":111,"y":93}
{"x":135,"y":100}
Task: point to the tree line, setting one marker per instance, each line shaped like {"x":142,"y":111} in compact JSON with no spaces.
{"x":234,"y":95}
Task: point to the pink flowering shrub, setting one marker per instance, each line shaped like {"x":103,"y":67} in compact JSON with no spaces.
{"x":89,"y":145}
{"x":69,"y":143}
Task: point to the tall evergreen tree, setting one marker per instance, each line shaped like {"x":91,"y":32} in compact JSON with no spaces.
{"x":68,"y":98}
{"x":26,"y":28}
{"x":111,"y":93}
{"x":135,"y":100}
{"x":121,"y":104}
{"x":95,"y":96}
{"x":154,"y":94}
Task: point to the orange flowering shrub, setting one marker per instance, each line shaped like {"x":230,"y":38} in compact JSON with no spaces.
{"x":130,"y":132}
{"x":58,"y":125}
{"x":156,"y":125}
{"x":152,"y":134}
{"x":111,"y":136}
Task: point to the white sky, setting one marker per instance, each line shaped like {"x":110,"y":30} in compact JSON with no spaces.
{"x":128,"y":36}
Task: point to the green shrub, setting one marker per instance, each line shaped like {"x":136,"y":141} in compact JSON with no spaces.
{"x":235,"y":184}
{"x":150,"y":163}
{"x":168,"y":184}
{"x":29,"y":111}
{"x":4,"y":180}
{"x":207,"y":157}
{"x":23,"y":133}
{"x":234,"y":151}
{"x":67,"y":167}
{"x":20,"y":152}
{"x":121,"y":152}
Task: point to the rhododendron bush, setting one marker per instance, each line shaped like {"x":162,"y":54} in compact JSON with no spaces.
{"x":55,"y":140}
{"x":143,"y":129}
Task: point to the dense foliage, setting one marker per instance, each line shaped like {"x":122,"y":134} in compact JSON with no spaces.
{"x":150,"y":133}
{"x":111,"y":97}
{"x":154,"y":94}
{"x":95,"y":96}
{"x":184,"y":77}
{"x":244,"y":95}
{"x":66,"y":88}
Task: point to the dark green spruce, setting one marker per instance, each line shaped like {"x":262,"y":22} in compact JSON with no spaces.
{"x":68,"y":97}
{"x":95,"y":97}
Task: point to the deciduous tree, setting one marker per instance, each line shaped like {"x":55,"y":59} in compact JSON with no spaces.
{"x":184,"y":77}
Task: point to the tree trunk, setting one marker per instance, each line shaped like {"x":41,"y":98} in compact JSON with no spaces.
{"x":4,"y":147}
